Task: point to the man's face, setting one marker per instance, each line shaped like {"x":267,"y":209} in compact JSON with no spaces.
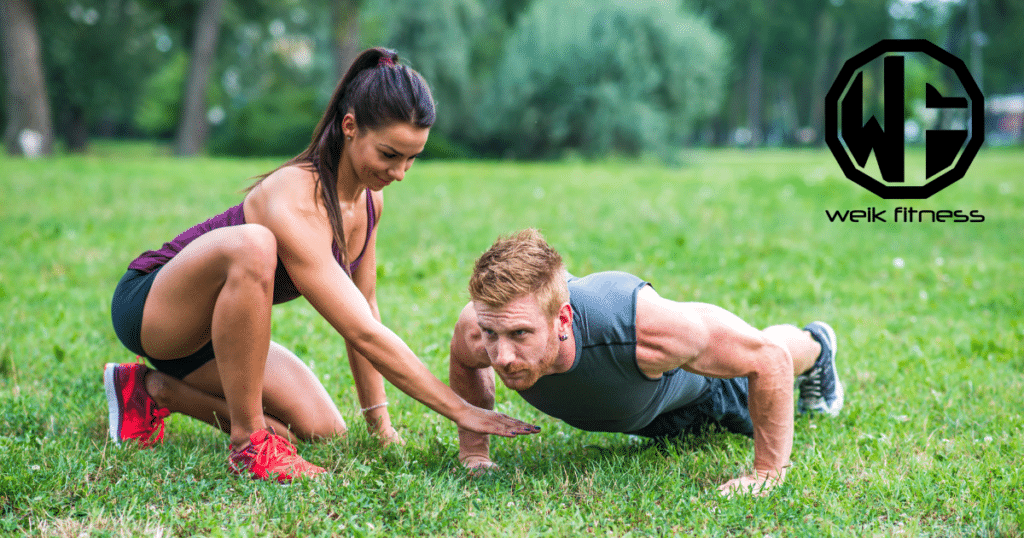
{"x":521,"y":341}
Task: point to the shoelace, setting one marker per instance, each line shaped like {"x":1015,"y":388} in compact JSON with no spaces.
{"x":275,"y":449}
{"x":156,"y":425}
{"x":811,"y":387}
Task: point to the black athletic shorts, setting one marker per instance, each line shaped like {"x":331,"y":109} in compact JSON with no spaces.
{"x":724,"y":404}
{"x":126,"y":312}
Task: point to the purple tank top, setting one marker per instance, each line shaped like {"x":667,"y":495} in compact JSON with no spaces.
{"x":284,"y":288}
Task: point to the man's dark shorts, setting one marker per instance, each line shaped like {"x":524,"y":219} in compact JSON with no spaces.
{"x":126,"y":312}
{"x":724,"y":404}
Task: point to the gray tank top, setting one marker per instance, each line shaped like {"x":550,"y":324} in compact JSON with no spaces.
{"x":604,"y":390}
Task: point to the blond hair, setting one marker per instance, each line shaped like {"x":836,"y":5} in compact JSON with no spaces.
{"x":518,"y":265}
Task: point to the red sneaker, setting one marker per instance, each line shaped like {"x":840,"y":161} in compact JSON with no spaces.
{"x":133,"y":413}
{"x":270,"y":456}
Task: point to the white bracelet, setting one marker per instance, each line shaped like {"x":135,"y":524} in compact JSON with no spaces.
{"x":372,"y":407}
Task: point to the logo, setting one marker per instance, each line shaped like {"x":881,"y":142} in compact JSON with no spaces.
{"x":949,"y":151}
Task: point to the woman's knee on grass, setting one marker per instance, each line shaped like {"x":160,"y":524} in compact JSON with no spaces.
{"x":320,"y":431}
{"x":309,"y":421}
{"x":309,"y":413}
{"x":294,"y":395}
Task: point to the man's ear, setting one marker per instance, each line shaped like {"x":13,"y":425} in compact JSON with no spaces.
{"x":565,"y":319}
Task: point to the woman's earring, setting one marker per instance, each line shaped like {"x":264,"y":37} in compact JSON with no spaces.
{"x":563,"y":337}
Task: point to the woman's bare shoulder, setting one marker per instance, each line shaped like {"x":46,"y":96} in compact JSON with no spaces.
{"x":289,"y":179}
{"x":289,"y":188}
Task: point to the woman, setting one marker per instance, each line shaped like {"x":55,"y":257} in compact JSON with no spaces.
{"x":200,"y":307}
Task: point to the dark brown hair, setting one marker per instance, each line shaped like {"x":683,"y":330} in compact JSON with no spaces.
{"x":378,"y":91}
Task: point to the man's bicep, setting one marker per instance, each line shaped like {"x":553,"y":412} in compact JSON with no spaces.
{"x":700,"y":338}
{"x":669,"y":335}
{"x":734,"y":347}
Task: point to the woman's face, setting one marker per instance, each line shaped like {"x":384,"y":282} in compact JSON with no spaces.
{"x":380,"y":156}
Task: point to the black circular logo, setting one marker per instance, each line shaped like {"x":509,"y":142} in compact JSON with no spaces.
{"x":948,"y":152}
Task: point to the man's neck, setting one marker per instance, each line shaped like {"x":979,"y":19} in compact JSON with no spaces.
{"x":566,"y":354}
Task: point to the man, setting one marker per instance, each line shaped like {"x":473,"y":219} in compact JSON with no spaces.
{"x":605,"y":352}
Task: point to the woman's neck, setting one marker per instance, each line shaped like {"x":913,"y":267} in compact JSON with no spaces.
{"x":348,"y":186}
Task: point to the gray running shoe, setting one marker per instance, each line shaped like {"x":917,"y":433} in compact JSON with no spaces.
{"x":820,"y":389}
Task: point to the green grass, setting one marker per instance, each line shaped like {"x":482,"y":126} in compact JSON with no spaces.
{"x":929,"y":317}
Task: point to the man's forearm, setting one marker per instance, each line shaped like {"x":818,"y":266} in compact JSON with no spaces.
{"x":476,"y":386}
{"x":771,"y":412}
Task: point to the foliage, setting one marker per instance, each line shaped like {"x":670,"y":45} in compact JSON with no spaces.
{"x":113,"y":66}
{"x":928,"y":316}
{"x":787,"y":54}
{"x":439,"y":42}
{"x":98,"y":55}
{"x":160,"y":106}
{"x":1004,"y":63}
{"x":277,"y":78}
{"x":603,"y":77}
{"x":278,"y":123}
{"x":455,"y":45}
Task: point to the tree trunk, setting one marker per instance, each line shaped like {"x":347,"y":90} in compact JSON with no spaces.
{"x":1020,"y":132}
{"x":76,"y":132}
{"x":29,"y":128}
{"x":957,"y":39}
{"x":755,"y":90}
{"x":733,"y":111}
{"x":193,"y":128}
{"x":820,"y":84}
{"x":345,"y":16}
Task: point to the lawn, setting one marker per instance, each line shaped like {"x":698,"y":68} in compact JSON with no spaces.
{"x":928,"y":315}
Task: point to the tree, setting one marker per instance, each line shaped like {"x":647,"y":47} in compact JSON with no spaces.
{"x":278,"y":73}
{"x":1002,"y":24}
{"x":616,"y":76}
{"x":98,"y":55}
{"x":985,"y":34}
{"x":193,"y":129}
{"x":345,"y":19}
{"x":29,"y":128}
{"x":439,"y":43}
{"x":790,"y":52}
{"x":747,"y":24}
{"x":455,"y":45}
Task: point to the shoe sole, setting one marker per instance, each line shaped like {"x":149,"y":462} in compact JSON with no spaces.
{"x":837,"y":405}
{"x":113,"y":402}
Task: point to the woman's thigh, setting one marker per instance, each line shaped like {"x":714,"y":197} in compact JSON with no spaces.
{"x":178,"y":314}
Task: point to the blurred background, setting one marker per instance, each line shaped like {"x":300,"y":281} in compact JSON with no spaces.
{"x":525,"y":79}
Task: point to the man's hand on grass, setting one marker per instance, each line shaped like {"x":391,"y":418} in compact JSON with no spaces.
{"x":478,"y":465}
{"x":758,"y":484}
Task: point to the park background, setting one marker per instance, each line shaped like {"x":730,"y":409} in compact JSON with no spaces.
{"x":681,"y":141}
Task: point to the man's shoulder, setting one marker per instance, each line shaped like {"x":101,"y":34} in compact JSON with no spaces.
{"x":604,"y":307}
{"x":604,"y":282}
{"x":606,"y":290}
